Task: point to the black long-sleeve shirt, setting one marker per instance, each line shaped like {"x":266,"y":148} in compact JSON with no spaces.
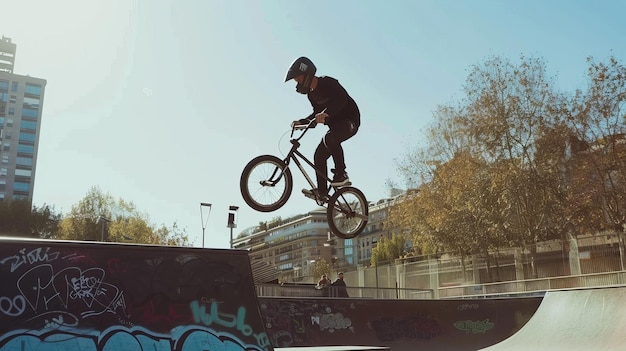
{"x":331,"y":96}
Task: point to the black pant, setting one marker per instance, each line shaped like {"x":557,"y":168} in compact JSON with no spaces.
{"x":331,"y":146}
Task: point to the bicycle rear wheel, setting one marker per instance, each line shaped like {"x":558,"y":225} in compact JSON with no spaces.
{"x":266,"y":183}
{"x":347,"y":212}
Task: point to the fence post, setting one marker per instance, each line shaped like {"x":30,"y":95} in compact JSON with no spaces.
{"x":400,"y":278}
{"x":433,"y":270}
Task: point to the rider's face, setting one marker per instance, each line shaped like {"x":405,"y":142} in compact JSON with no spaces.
{"x":299,"y":79}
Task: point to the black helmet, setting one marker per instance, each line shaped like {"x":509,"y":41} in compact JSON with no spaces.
{"x":301,"y":66}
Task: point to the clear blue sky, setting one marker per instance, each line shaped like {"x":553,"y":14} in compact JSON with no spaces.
{"x":163,"y":102}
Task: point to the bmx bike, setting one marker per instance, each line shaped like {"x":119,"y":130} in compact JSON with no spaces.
{"x":266,"y":185}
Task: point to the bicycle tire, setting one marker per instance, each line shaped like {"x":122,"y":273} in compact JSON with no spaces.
{"x":347,"y":212}
{"x":261,"y":192}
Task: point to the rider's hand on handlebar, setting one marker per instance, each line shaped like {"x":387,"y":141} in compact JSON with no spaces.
{"x":321,"y":117}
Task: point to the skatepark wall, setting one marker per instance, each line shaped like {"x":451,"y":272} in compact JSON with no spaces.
{"x":86,"y":296}
{"x":401,"y":325}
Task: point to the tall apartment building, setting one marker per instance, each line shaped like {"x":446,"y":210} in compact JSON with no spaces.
{"x":21,"y":103}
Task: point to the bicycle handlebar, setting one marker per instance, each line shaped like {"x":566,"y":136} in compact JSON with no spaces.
{"x":299,"y":126}
{"x":303,"y":127}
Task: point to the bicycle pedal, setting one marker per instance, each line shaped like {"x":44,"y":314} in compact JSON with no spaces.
{"x":323,"y":201}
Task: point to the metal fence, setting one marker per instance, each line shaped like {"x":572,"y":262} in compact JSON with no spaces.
{"x":309,"y":290}
{"x":597,"y":261}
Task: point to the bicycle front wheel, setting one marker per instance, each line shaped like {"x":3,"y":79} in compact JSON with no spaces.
{"x":266,"y":183}
{"x":347,"y":212}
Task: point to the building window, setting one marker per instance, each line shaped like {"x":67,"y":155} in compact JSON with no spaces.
{"x":32,"y":89}
{"x":24,"y":161}
{"x":3,"y":172}
{"x":5,"y":159}
{"x":13,"y":99}
{"x":14,"y":86}
{"x":11,"y":111}
{"x":6,"y":147}
{"x":4,"y":84}
{"x":27,"y":137}
{"x":25,"y":149}
{"x":31,"y":103}
{"x":27,"y":112}
{"x":28,"y":125}
{"x":23,"y":172}
{"x":19,"y":186}
{"x":9,"y":122}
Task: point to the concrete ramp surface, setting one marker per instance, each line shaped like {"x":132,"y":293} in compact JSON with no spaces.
{"x":592,"y":319}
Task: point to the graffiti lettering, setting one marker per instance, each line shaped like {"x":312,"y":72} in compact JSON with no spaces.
{"x":42,"y":289}
{"x":474,"y":327}
{"x":331,"y":321}
{"x":224,"y":319}
{"x":74,"y":296}
{"x":467,"y":306}
{"x":13,"y":307}
{"x":34,"y":256}
{"x":120,"y":338}
{"x":57,"y":319}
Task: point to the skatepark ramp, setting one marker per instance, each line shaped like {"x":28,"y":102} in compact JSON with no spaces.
{"x":401,"y":325}
{"x":87,"y":296}
{"x":90,"y":296}
{"x":590,"y":319}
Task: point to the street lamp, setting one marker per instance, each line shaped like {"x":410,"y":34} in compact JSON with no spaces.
{"x":102,"y":220}
{"x":204,"y":204}
{"x":231,"y":221}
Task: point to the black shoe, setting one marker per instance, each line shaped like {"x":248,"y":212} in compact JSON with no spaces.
{"x":340,"y":179}
{"x":310,"y":193}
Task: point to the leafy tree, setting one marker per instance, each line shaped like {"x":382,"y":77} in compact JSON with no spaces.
{"x":320,"y":267}
{"x":15,"y":217}
{"x":483,"y":181}
{"x":98,"y":216}
{"x":44,"y":222}
{"x":18,"y":219}
{"x":598,"y":119}
{"x":508,"y":107}
{"x":387,"y":250}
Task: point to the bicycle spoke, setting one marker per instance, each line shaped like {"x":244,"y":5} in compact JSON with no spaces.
{"x":349,"y":213}
{"x":266,"y":183}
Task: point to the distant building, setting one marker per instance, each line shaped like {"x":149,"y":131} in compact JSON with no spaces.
{"x":292,"y":246}
{"x":21,"y":104}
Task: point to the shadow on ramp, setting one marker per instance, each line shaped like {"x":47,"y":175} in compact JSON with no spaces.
{"x":591,"y":319}
{"x":401,"y":325}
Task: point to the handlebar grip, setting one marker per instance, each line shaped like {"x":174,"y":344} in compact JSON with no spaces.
{"x":299,"y":126}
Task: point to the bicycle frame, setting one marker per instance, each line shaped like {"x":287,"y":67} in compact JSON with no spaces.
{"x":294,"y":154}
{"x":346,"y":206}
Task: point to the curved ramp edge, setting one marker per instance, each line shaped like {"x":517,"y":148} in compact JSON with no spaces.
{"x":590,"y":319}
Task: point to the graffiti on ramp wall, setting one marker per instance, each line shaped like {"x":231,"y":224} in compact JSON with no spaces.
{"x":88,"y":296}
